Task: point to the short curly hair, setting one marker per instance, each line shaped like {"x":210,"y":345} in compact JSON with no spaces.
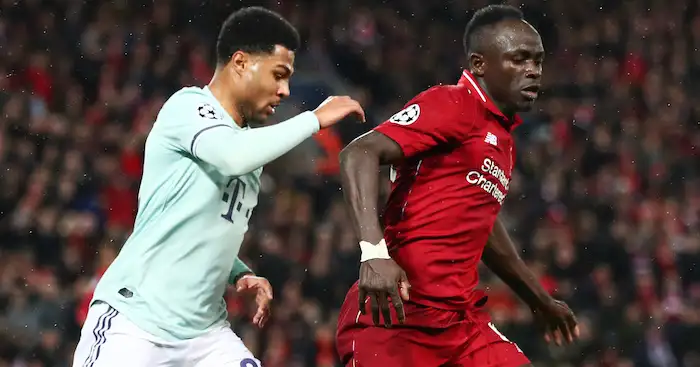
{"x":483,"y":18}
{"x":254,"y":30}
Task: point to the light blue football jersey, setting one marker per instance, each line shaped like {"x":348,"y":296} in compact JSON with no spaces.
{"x":171,"y":274}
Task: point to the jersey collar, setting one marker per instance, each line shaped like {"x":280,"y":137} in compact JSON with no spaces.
{"x":468,"y":80}
{"x":208,"y":92}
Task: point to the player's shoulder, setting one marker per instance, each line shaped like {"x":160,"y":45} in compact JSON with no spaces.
{"x":440,"y":90}
{"x":447,"y":97}
{"x":449,"y":102}
{"x":192,"y":101}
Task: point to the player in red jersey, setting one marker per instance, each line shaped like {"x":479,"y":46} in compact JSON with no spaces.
{"x":452,"y":155}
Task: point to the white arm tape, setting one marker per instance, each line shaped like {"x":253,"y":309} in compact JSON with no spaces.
{"x":371,"y":251}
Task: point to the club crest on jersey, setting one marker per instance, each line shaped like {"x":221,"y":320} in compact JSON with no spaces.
{"x":208,"y":111}
{"x":406,"y":116}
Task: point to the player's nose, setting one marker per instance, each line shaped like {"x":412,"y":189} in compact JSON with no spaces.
{"x":283,"y":90}
{"x":533,"y":70}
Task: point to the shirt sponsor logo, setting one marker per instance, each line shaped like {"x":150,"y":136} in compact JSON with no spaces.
{"x":480,"y":178}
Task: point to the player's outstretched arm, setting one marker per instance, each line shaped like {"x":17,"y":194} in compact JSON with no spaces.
{"x":501,"y":256}
{"x":380,"y":276}
{"x":234,"y":152}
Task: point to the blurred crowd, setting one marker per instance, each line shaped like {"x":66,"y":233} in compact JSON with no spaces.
{"x":605,"y":201}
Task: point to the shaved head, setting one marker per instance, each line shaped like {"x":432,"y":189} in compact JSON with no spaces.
{"x":483,"y":21}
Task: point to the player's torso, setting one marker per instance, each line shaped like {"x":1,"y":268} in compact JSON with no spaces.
{"x":187,"y":205}
{"x":441,"y":211}
{"x":452,"y":194}
{"x":189,"y":228}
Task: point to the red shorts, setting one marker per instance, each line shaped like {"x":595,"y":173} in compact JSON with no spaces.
{"x":430,"y":337}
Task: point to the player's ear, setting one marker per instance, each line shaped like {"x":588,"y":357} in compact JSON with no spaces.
{"x":476,"y":64}
{"x":239,"y":61}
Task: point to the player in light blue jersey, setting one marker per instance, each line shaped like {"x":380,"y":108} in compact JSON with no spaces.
{"x":161,"y":303}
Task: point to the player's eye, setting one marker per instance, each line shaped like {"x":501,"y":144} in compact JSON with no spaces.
{"x":280,"y":74}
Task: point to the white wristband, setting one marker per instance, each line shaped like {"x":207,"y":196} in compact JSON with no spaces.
{"x":371,"y":251}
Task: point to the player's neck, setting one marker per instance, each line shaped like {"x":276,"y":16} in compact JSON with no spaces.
{"x":509,"y":113}
{"x":221,"y":92}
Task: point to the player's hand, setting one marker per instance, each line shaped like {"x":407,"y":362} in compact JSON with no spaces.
{"x":335,"y":108}
{"x":557,"y":321}
{"x":381,"y":279}
{"x":262,"y":289}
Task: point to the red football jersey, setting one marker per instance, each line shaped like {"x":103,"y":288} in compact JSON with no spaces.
{"x":447,"y":192}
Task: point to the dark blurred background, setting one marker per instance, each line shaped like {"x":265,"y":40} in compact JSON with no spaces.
{"x":605,"y":201}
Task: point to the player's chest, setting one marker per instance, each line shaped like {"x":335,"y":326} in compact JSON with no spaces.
{"x":239,"y":196}
{"x":487,"y":150}
{"x":480,"y":167}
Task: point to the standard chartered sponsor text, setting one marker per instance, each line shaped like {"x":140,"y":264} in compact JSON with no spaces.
{"x":479,"y":178}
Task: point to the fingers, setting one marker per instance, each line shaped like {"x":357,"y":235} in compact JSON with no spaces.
{"x":362,"y":298}
{"x":359,"y":111}
{"x":267,"y":289}
{"x":263,"y":298}
{"x":561,"y":333}
{"x":404,"y":286}
{"x":568,"y":325}
{"x":571,"y":327}
{"x":374,"y":306}
{"x":339,"y":107}
{"x":560,"y":324}
{"x":573,"y":324}
{"x":384,"y":305}
{"x":354,"y":108}
{"x":261,"y":316}
{"x":551,"y":332}
{"x":251,"y":282}
{"x":553,"y":336}
{"x":242,"y":285}
{"x":380,"y":304}
{"x":567,"y":335}
{"x":398,"y":305}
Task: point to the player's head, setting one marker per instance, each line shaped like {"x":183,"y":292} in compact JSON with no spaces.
{"x":506,"y":53}
{"x":255,"y":53}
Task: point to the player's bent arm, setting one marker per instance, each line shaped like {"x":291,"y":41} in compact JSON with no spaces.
{"x":359,"y":172}
{"x":238,"y":271}
{"x":236,"y":153}
{"x":501,"y":256}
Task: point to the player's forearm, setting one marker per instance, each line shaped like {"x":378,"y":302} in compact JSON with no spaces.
{"x":502,"y":258}
{"x":359,"y":172}
{"x":239,"y":269}
{"x":237,"y":153}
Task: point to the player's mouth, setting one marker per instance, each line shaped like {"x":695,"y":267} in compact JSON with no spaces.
{"x":271,"y":108}
{"x":530,"y":92}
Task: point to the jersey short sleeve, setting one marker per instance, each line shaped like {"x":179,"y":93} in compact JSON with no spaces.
{"x":438,"y":116}
{"x":186,"y":116}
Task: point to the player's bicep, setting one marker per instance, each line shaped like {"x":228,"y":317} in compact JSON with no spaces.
{"x":386,"y":149}
{"x":199,"y":143}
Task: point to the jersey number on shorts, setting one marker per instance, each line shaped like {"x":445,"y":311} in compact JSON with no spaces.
{"x":234,"y":192}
